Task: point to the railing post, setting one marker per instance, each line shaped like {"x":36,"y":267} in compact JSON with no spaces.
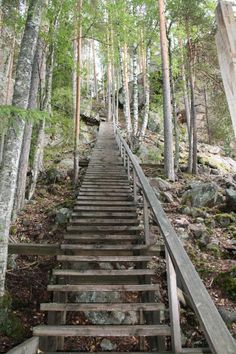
{"x":146,"y":221}
{"x":173,"y":305}
{"x":128,"y":167}
{"x":135,"y":185}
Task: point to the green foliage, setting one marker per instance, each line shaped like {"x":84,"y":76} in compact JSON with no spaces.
{"x":10,"y":324}
{"x":62,"y":101}
{"x":227,"y":283}
{"x":9,"y":113}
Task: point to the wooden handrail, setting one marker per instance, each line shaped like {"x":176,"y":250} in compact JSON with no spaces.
{"x":215,"y":330}
{"x":30,"y":346}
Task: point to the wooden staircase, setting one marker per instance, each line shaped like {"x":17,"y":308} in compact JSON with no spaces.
{"x":105,"y":252}
{"x":106,"y":268}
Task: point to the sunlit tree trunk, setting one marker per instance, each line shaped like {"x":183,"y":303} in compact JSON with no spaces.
{"x":147,"y":94}
{"x":14,"y":135}
{"x":168,"y":136}
{"x":95,"y":70}
{"x":78,"y":94}
{"x":124,"y":72}
{"x":135,"y":90}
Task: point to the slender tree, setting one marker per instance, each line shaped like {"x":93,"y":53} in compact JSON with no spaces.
{"x":78,"y":96}
{"x":168,"y":136}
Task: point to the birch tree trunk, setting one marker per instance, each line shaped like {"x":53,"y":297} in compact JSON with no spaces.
{"x":168,"y":137}
{"x":78,"y":94}
{"x":14,"y":136}
{"x":95,"y":71}
{"x":124,"y":72}
{"x":147,"y":94}
{"x":135,"y":90}
{"x":25,"y":150}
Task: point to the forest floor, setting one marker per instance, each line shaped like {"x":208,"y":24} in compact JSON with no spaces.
{"x":28,"y":276}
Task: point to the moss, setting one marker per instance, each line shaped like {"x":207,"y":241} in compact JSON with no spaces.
{"x":10,"y":324}
{"x":213,"y":163}
{"x":214,"y":250}
{"x":225,"y":219}
{"x":227,"y":283}
{"x":154,"y":155}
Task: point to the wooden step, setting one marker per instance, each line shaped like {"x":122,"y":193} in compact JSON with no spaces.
{"x":104,"y":229}
{"x":102,"y":330}
{"x":95,"y":247}
{"x":102,"y":272}
{"x":107,"y":189}
{"x":103,"y":214}
{"x":103,"y":221}
{"x":183,"y":351}
{"x":121,"y":307}
{"x":104,"y":194}
{"x":105,"y":202}
{"x":102,"y":238}
{"x":68,"y":258}
{"x":103,"y":287}
{"x":104,"y":208}
{"x":88,"y":198}
{"x":104,"y":183}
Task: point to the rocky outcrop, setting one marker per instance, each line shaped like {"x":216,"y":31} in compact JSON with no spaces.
{"x":201,"y":195}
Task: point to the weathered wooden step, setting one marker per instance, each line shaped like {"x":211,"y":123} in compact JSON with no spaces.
{"x":103,"y":221}
{"x":103,"y":287}
{"x":103,"y":229}
{"x":103,"y":214}
{"x":107,"y":189}
{"x":184,"y":351}
{"x":105,"y":198}
{"x":68,"y":258}
{"x":103,"y":208}
{"x":104,"y":194}
{"x":121,"y":307}
{"x":101,"y":238}
{"x":105,"y":202}
{"x":102,"y":272}
{"x":103,"y":330}
{"x":98,"y":246}
{"x":106,"y":183}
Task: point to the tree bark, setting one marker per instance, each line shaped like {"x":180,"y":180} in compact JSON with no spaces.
{"x":176,"y":128}
{"x":135,"y":90}
{"x":147,"y":94}
{"x":25,"y":150}
{"x":95,"y":71}
{"x":78,"y":94}
{"x":207,"y":115}
{"x":168,"y":137}
{"x":193,"y":125}
{"x":14,"y":136}
{"x":124,"y":71}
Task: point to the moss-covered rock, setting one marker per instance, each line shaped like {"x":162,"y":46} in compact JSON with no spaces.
{"x":225,"y":219}
{"x":201,"y":195}
{"x":227,"y":283}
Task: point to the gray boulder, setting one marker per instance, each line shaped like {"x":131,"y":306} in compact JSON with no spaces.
{"x":201,"y":195}
{"x":231,"y":199}
{"x":153,"y":122}
{"x":62,"y":216}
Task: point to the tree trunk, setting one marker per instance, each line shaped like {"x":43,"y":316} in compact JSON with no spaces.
{"x":147,"y":94}
{"x":124,"y":71}
{"x":176,"y":128}
{"x":193,"y":125}
{"x":207,"y":115}
{"x":109,"y":78}
{"x":78,"y":94}
{"x":135,"y":90}
{"x":2,"y":138}
{"x":168,"y":137}
{"x":25,"y":150}
{"x":9,"y":74}
{"x":95,"y":71}
{"x":14,"y":136}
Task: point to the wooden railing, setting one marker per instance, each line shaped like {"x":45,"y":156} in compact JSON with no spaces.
{"x":179,"y":265}
{"x":30,"y":346}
